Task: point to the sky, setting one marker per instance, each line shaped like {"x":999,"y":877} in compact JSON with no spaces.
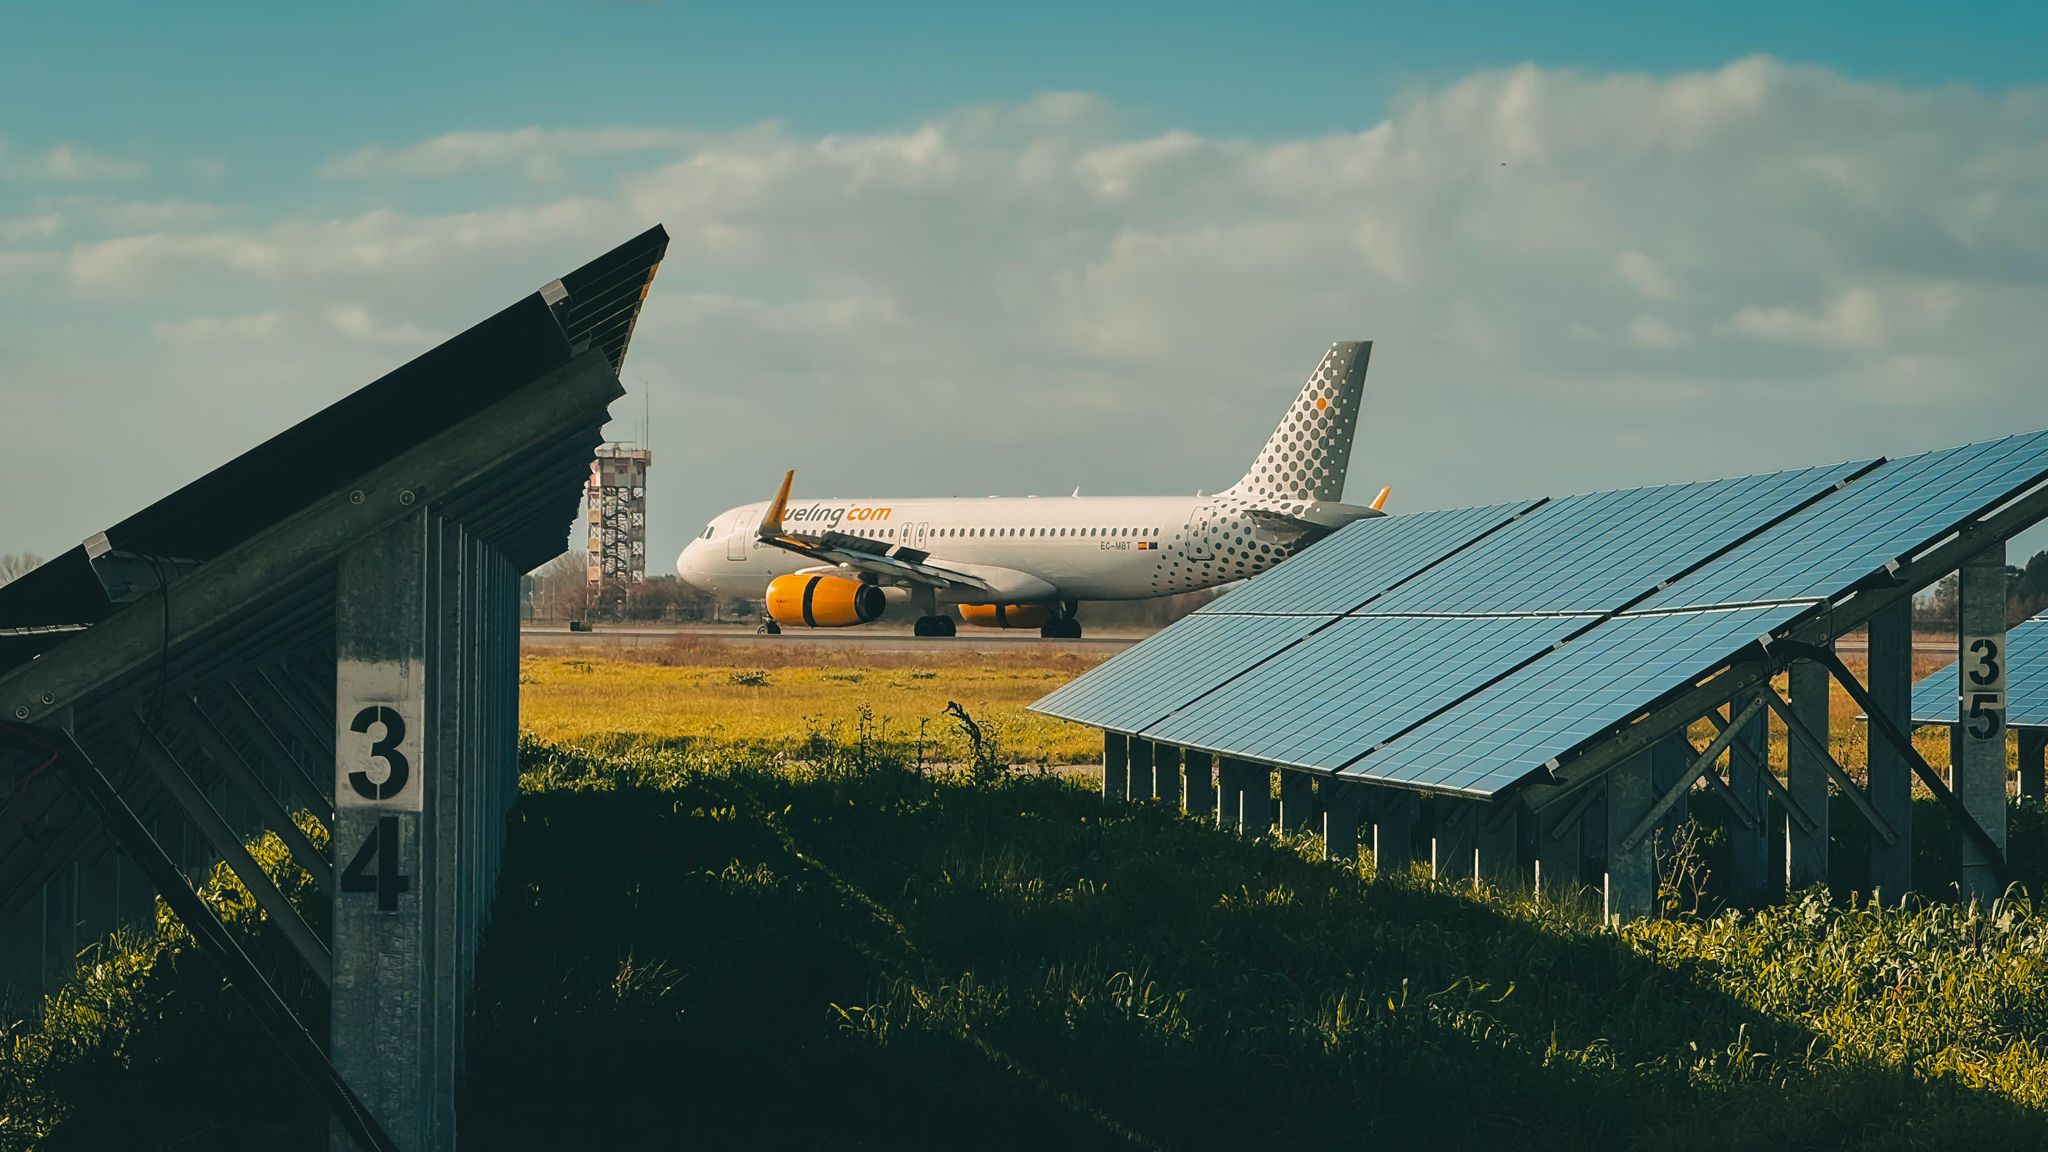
{"x":922,"y":250}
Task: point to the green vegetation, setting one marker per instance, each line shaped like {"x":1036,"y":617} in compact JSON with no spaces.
{"x":806,"y":935}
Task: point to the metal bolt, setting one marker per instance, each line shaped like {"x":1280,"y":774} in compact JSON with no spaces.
{"x":49,"y":698}
{"x":356,"y":497}
{"x":406,"y":497}
{"x":21,"y":713}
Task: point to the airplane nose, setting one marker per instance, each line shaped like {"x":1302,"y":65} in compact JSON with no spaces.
{"x":686,"y":566}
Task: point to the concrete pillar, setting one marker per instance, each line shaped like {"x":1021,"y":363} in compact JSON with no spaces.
{"x":1631,"y":872}
{"x":1343,"y":806}
{"x":1450,"y":838}
{"x":1497,"y":844}
{"x":1557,"y":854}
{"x":1979,"y":774}
{"x":1166,"y":773}
{"x":1258,"y":800}
{"x":1116,"y":766}
{"x":1198,"y":787}
{"x":1890,"y":783}
{"x":2033,"y":764}
{"x":1141,"y":769}
{"x":1749,"y":853}
{"x":1395,"y":812}
{"x":383,"y":1039}
{"x":1806,"y":779}
{"x":1297,"y":802}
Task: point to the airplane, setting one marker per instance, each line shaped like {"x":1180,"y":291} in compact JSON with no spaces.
{"x":1028,"y":562}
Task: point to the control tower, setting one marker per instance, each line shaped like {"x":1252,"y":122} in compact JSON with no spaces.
{"x":617,"y":499}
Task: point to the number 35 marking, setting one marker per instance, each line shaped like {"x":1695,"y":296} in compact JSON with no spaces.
{"x":385,"y":748}
{"x":1988,"y":671}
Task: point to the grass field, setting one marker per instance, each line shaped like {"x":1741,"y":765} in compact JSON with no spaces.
{"x":791,"y":936}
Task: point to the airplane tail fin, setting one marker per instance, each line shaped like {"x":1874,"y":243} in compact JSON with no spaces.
{"x":1309,"y":452}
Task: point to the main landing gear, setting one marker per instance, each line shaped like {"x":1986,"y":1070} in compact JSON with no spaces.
{"x":933,"y":626}
{"x":769,"y":627}
{"x":1063,"y":625}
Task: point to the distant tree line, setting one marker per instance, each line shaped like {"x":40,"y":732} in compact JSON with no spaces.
{"x":2026,"y":595}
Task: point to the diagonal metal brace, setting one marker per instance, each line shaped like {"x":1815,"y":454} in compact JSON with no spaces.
{"x":1691,"y":776}
{"x":1794,"y":810}
{"x":270,"y":1010}
{"x":1903,"y":744}
{"x":1736,"y":804}
{"x":1819,"y":750}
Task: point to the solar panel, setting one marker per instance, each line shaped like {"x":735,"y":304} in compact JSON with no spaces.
{"x":1336,"y":693}
{"x":2026,"y":682}
{"x":1364,"y":560}
{"x":1902,"y":506}
{"x":1144,"y":683}
{"x":1597,"y":552}
{"x":1490,"y":741}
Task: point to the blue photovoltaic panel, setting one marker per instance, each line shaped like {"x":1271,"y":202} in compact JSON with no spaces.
{"x":1492,"y":740}
{"x":1356,"y":683}
{"x":2026,"y":682}
{"x":1901,"y":506}
{"x":1597,"y":552}
{"x":1364,"y":560}
{"x":1144,"y":683}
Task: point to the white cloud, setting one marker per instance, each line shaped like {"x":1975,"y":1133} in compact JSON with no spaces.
{"x":216,"y":329}
{"x":540,"y":153}
{"x":23,"y":229}
{"x":1851,"y":322}
{"x":355,"y":322}
{"x":72,"y":164}
{"x":1654,"y":335}
{"x":1023,"y":298}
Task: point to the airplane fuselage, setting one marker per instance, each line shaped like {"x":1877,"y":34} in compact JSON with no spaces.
{"x":1081,"y":547}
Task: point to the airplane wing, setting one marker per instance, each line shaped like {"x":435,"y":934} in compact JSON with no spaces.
{"x":892,"y":564}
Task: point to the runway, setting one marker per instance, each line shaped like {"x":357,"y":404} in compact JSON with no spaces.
{"x":873,"y":638}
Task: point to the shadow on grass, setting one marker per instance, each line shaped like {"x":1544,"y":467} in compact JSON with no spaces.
{"x":871,"y":958}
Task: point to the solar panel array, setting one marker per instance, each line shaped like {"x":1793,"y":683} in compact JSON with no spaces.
{"x":1461,"y":650}
{"x":2026,"y":682}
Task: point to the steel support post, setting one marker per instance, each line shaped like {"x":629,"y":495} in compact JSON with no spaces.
{"x":1749,"y":851}
{"x":1497,"y":844}
{"x":1979,"y":776}
{"x":1631,"y":870}
{"x":1670,"y":758}
{"x":1116,"y":766}
{"x":1198,"y":776}
{"x":1557,"y":853}
{"x":1890,"y":777}
{"x":2033,"y":764}
{"x":1343,"y":804}
{"x":1230,"y":778}
{"x":383,"y":1039}
{"x":1141,"y":769}
{"x":1395,"y":812}
{"x":1806,"y":780}
{"x":1297,"y":802}
{"x":1258,"y":801}
{"x":1450,"y":837}
{"x":1166,"y":773}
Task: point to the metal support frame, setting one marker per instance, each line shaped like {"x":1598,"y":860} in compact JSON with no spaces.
{"x":1883,"y":726}
{"x":1297,"y":802}
{"x":1497,"y":843}
{"x":1631,"y":889}
{"x":1888,"y":774}
{"x":1394,"y":812}
{"x":1807,"y":773}
{"x":1749,"y":849}
{"x":1817,"y":752}
{"x":1166,"y":773}
{"x":1558,"y":850}
{"x":1702,"y":765}
{"x":2033,"y":764}
{"x":1450,"y":837}
{"x":1257,"y":799}
{"x":1198,"y":789}
{"x":1142,"y":781}
{"x":352,"y":1119}
{"x":1343,"y":805}
{"x":1116,"y":766}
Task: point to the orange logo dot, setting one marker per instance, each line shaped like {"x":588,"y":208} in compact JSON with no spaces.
{"x":1322,"y":402}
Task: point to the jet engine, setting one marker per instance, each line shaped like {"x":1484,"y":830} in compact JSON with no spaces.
{"x":1005,"y":615}
{"x":823,"y":601}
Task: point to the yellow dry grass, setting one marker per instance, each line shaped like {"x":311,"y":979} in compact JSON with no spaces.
{"x":706,"y":690}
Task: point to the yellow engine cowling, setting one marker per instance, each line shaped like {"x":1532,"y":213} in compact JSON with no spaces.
{"x":823,"y":601}
{"x":1005,"y":615}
